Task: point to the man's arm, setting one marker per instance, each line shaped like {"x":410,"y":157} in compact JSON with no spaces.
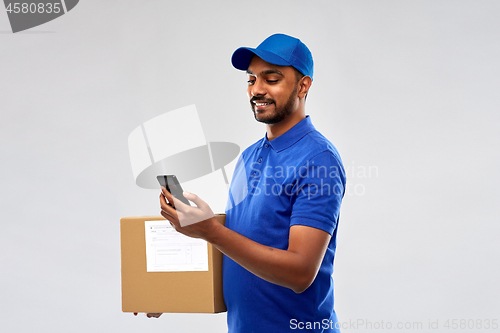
{"x":294,"y":268}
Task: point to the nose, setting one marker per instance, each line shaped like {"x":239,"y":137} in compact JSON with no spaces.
{"x":258,"y":88}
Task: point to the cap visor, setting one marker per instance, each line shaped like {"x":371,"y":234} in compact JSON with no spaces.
{"x":241,"y":58}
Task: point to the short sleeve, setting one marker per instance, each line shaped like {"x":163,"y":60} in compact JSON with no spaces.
{"x":318,"y":191}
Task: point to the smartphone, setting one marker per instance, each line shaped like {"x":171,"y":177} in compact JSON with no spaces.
{"x":172,"y":185}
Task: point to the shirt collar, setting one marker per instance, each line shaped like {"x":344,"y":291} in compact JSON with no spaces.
{"x":291,"y":136}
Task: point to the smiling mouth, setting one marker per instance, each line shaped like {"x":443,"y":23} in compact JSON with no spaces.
{"x":262,"y":104}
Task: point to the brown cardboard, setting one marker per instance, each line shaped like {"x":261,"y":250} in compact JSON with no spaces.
{"x":155,"y":292}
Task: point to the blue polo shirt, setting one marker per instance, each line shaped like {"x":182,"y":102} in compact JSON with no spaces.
{"x":296,"y":179}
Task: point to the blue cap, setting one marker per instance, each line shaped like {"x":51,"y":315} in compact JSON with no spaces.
{"x":278,"y":49}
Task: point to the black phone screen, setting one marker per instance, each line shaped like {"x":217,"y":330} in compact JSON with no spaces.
{"x":171,"y":183}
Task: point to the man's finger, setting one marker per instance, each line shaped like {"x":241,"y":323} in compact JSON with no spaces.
{"x":153,"y":315}
{"x":196,"y":199}
{"x":167,"y":211}
{"x":174,"y":220}
{"x":177,"y":204}
{"x":166,"y":206}
{"x":168,"y":196}
{"x":163,"y":202}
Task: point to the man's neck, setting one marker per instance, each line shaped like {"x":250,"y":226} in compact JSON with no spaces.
{"x":275,"y":130}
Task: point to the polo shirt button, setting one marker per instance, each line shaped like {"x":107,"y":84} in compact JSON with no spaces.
{"x":266,"y":145}
{"x":259,"y":160}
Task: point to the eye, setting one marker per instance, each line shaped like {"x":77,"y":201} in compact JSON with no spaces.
{"x":250,"y":82}
{"x":272,"y":81}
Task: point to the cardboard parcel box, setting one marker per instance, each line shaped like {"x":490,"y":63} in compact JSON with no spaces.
{"x":164,"y":273}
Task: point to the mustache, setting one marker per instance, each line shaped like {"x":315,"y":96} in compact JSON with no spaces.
{"x":261,"y":100}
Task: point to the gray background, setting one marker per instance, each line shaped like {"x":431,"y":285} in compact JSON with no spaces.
{"x":407,"y":90}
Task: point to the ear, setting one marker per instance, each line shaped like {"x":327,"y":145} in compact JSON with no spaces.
{"x":304,"y":84}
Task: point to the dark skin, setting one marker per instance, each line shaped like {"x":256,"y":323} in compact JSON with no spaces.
{"x":296,"y":267}
{"x":267,"y":82}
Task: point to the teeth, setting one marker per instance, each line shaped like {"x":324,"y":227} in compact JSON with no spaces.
{"x":261,"y":104}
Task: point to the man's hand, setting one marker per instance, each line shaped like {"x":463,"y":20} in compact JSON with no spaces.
{"x":151,"y":315}
{"x":196,"y":222}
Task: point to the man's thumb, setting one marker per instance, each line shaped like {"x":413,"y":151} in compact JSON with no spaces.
{"x":194,"y":198}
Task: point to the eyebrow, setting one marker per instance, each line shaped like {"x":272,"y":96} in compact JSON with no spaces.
{"x":266,"y":72}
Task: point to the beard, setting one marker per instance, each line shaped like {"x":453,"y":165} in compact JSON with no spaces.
{"x":279,"y":113}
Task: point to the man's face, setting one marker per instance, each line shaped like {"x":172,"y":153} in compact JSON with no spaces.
{"x":272,"y":90}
